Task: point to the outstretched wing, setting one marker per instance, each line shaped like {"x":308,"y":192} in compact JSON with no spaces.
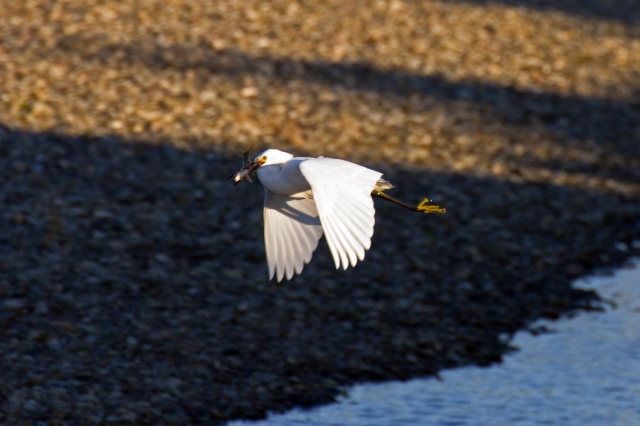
{"x":291,"y":233}
{"x":342,"y":194}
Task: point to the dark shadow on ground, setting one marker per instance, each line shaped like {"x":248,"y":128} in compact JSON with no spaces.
{"x":625,"y":11}
{"x":601,"y":128}
{"x":133,"y":283}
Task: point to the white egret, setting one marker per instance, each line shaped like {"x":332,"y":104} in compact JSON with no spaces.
{"x":305,"y":197}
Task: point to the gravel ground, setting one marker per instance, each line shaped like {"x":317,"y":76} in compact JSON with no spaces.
{"x":133,"y":278}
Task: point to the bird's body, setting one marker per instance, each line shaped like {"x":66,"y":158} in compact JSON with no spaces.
{"x":306,"y":197}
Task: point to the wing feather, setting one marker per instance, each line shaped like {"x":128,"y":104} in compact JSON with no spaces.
{"x":342,"y":194}
{"x":359,"y":229}
{"x":344,"y":248}
{"x":334,"y":246}
{"x":292,"y":229}
{"x":347,"y":238}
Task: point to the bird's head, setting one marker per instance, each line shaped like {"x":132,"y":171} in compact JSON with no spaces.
{"x":272,"y":156}
{"x":268,"y":157}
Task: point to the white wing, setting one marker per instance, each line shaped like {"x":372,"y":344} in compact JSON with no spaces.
{"x":342,"y":192}
{"x":291,"y":233}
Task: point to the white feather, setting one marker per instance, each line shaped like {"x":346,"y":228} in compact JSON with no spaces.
{"x":342,"y":192}
{"x":291,"y":233}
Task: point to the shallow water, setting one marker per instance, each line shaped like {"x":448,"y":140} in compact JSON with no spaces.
{"x":585,"y":372}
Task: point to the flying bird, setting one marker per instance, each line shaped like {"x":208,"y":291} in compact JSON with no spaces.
{"x":306,"y":197}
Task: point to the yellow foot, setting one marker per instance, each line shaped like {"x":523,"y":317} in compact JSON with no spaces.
{"x":430,"y":209}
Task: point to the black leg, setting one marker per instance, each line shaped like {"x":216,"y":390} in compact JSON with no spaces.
{"x":421,"y":208}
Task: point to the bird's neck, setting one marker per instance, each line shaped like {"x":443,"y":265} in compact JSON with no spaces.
{"x":284,"y":179}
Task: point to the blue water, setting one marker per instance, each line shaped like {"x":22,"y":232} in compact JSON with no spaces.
{"x":586,"y":372}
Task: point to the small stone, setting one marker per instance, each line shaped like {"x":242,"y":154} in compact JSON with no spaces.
{"x":102,"y":214}
{"x":117,"y":124}
{"x":41,"y":308}
{"x":18,"y":218}
{"x":162,"y":258}
{"x":249,"y":92}
{"x":14,"y":304}
{"x":33,"y":407}
{"x":621,"y":246}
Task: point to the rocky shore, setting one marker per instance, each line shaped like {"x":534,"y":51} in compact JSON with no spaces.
{"x":133,"y":281}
